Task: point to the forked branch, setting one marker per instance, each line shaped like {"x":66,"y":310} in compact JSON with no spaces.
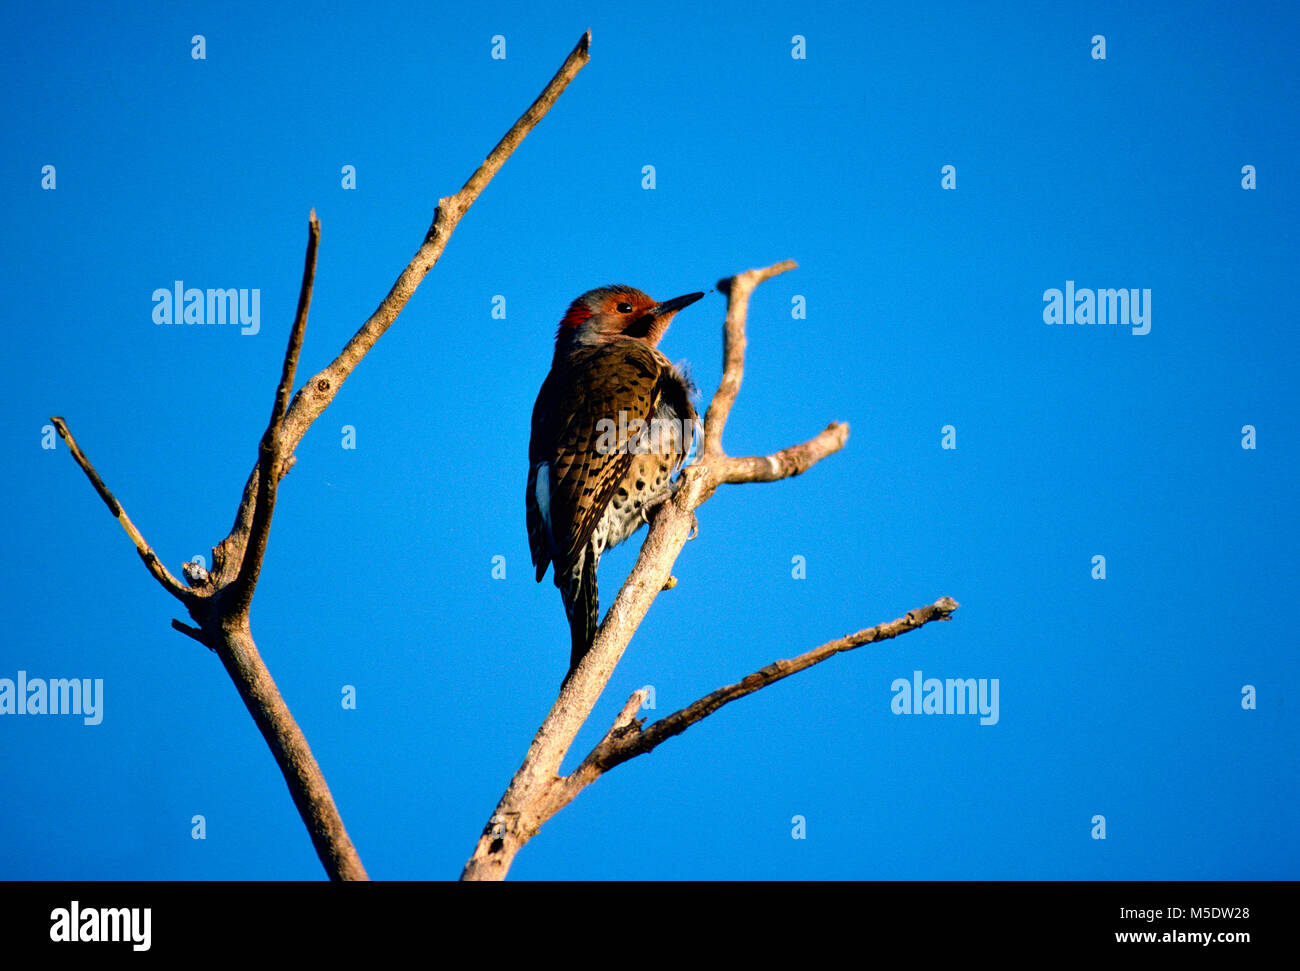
{"x":219,"y":599}
{"x":318,"y":391}
{"x":538,"y":791}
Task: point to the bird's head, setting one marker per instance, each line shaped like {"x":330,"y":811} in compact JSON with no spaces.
{"x":607,"y":313}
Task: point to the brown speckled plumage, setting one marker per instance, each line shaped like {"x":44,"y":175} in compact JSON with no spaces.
{"x":592,"y":479}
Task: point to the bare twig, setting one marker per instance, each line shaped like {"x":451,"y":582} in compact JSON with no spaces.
{"x":788,"y":462}
{"x":625,"y":741}
{"x":737,"y":288}
{"x":151,"y":561}
{"x":532,"y":795}
{"x":193,"y":632}
{"x":271,"y":452}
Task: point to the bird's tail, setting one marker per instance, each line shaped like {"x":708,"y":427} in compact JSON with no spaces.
{"x":583,"y":605}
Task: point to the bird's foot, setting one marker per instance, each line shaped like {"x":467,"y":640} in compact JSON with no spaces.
{"x":695,"y":528}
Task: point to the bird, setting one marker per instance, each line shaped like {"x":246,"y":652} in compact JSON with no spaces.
{"x":612,"y":423}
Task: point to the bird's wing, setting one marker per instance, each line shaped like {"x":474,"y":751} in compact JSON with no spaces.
{"x":625,"y":378}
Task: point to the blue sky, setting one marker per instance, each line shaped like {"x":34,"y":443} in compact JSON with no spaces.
{"x":1119,"y":698}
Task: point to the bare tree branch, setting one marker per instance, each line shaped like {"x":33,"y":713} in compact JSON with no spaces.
{"x":218,"y":599}
{"x":151,"y":561}
{"x":627,"y":740}
{"x":316,"y":393}
{"x":222,"y":613}
{"x":271,"y":451}
{"x":537,"y":790}
{"x":311,"y":795}
{"x":788,"y":462}
{"x":737,"y":288}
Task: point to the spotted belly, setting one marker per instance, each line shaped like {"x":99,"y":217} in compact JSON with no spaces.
{"x":647,"y":485}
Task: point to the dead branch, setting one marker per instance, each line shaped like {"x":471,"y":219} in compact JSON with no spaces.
{"x":271,"y":453}
{"x":151,"y":561}
{"x":318,"y":391}
{"x":537,"y":790}
{"x":219,"y":600}
{"x":627,"y":740}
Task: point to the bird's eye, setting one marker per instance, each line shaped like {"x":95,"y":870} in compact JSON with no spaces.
{"x":624,"y":308}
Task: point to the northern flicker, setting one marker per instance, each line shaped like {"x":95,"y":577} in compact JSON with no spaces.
{"x":612,"y":423}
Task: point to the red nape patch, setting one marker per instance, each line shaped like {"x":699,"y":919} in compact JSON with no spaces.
{"x":578,"y":313}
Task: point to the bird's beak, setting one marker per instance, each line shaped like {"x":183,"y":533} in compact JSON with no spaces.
{"x":675,"y":304}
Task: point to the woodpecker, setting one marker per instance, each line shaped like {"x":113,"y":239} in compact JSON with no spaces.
{"x":612,"y":423}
